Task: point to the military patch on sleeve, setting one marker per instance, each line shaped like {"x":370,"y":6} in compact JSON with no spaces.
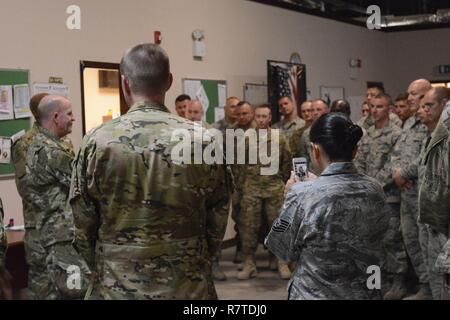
{"x":281,"y":225}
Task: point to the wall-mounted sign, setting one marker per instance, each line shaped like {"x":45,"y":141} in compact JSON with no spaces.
{"x":444,"y":69}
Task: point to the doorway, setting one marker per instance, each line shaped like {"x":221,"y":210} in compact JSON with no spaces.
{"x":101,"y":93}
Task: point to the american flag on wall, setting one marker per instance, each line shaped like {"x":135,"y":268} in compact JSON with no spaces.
{"x":286,"y":80}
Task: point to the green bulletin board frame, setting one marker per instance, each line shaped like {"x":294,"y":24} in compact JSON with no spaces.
{"x":212,"y":91}
{"x":10,"y":127}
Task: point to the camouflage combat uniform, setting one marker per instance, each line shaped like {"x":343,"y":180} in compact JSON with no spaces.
{"x":38,"y":281}
{"x":288,"y":128}
{"x":295,"y":143}
{"x":262,"y":194}
{"x":406,"y":149}
{"x":48,"y":169}
{"x":222,"y":125}
{"x":4,"y":276}
{"x":2,"y":236}
{"x":148,"y":225}
{"x":333,"y":227}
{"x":434,"y":200}
{"x":367,"y":122}
{"x":374,"y":159}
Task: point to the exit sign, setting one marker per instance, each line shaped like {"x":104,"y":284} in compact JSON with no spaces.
{"x":444,"y":69}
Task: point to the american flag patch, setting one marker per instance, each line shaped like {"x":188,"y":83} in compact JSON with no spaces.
{"x":281,"y":225}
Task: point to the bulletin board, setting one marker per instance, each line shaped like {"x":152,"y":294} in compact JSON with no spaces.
{"x":211,"y":93}
{"x":10,"y":127}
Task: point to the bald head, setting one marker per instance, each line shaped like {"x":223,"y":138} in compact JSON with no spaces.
{"x":319,"y":107}
{"x":416,"y":91}
{"x":194,"y":111}
{"x":55,"y":114}
{"x":34,"y":103}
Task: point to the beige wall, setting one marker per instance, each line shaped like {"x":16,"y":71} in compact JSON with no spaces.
{"x":240,"y":37}
{"x":414,"y":55}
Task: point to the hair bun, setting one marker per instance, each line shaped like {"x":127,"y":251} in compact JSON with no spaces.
{"x":354,"y":132}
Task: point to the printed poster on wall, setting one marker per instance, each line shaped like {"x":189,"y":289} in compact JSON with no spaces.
{"x":6,"y":103}
{"x":22,"y":101}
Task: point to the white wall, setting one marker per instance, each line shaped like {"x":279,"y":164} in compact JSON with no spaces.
{"x":240,"y":37}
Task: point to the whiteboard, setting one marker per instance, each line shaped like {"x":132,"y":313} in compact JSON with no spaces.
{"x":256,"y":93}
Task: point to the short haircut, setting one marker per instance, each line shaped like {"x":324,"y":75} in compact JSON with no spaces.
{"x":342,"y":106}
{"x":282,"y":97}
{"x":147,"y":68}
{"x":182,"y":97}
{"x":231,"y":98}
{"x":241,"y":103}
{"x":34,"y":103}
{"x":441,"y":93}
{"x":402,"y":96}
{"x":384,"y":96}
{"x":376,"y":86}
{"x":264,"y":106}
{"x":321,"y":100}
{"x":48,"y":105}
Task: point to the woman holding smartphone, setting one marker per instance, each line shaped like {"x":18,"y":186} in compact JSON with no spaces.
{"x":333,"y":226}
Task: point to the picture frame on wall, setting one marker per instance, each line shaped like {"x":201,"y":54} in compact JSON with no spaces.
{"x":329,"y":94}
{"x":285,"y":79}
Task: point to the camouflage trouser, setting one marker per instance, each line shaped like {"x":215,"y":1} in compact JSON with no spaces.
{"x":432,"y":243}
{"x":253,"y":206}
{"x":236,"y":202}
{"x":38,"y":282}
{"x":67,"y":271}
{"x":410,"y":232}
{"x":396,"y":259}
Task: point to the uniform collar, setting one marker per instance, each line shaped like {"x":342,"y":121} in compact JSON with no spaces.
{"x":48,"y":134}
{"x":339,"y":168}
{"x":148,"y":105}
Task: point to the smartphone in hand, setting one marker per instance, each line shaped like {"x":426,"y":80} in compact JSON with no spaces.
{"x":300,"y":167}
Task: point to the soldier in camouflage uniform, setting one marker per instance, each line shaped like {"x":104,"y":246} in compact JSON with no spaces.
{"x":48,"y":170}
{"x":245,"y":115}
{"x":146,"y":222}
{"x":374,"y":159}
{"x":5,"y":289}
{"x":332,"y":226}
{"x":304,"y":150}
{"x":408,"y":147}
{"x":431,"y":241}
{"x":262,"y":193}
{"x":38,"y":281}
{"x":291,"y":121}
{"x":230,"y":115}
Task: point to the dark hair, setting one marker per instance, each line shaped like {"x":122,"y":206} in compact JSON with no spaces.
{"x":376,"y":86}
{"x":384,"y":96}
{"x":241,"y":103}
{"x":337,"y":135}
{"x":147,"y":67}
{"x":402,"y":96}
{"x":182,"y":97}
{"x":341,"y":106}
{"x":264,"y":106}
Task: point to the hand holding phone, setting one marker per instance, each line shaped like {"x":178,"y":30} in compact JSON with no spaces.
{"x":300,"y":167}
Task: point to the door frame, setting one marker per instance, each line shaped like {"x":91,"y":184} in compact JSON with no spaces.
{"x":99,"y":65}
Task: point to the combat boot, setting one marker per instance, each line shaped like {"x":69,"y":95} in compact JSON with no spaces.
{"x":398,"y":289}
{"x":218,"y":274}
{"x":283,"y":270}
{"x":424,"y":293}
{"x":249,"y":270}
